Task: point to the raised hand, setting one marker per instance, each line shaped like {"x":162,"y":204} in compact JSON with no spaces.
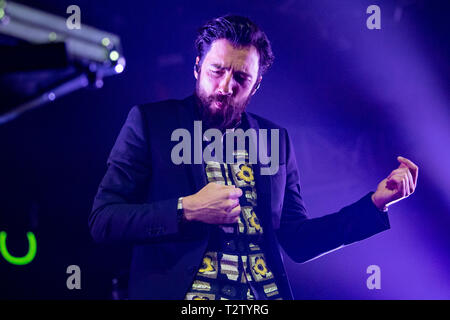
{"x":400,"y":184}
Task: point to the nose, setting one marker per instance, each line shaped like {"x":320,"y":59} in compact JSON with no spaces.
{"x":225,"y":86}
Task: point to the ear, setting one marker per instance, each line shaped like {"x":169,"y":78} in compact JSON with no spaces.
{"x":258,"y":83}
{"x":196,"y":67}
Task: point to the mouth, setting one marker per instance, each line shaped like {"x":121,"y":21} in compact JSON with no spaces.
{"x":218,"y":104}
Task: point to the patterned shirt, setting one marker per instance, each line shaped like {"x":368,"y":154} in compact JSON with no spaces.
{"x":234,"y":265}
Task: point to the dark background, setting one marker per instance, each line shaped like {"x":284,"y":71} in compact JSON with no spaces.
{"x":352,"y":99}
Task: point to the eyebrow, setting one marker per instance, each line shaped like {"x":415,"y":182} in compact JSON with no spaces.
{"x":242,"y":73}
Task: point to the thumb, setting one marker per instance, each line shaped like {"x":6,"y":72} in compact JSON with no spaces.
{"x":402,"y":164}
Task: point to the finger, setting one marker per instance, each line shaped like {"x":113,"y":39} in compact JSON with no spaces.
{"x":408,"y":179}
{"x":412,"y":187}
{"x":406,"y":188}
{"x":230,"y":204}
{"x":400,"y":185}
{"x":412,"y":166}
{"x":234,"y":193}
{"x":230,"y":220}
{"x":407,"y":185}
{"x":400,"y":170}
{"x":409,"y":182}
{"x":236,"y":211}
{"x":233,"y":216}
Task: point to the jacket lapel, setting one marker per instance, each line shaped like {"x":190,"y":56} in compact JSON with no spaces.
{"x":187,"y":114}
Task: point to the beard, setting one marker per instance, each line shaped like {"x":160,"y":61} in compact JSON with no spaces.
{"x":226,"y":117}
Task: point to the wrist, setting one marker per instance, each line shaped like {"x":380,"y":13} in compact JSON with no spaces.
{"x":379,"y":205}
{"x":188,"y":205}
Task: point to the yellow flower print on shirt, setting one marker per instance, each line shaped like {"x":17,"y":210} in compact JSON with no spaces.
{"x":246,"y":173}
{"x":206,"y":265}
{"x":254,"y":221}
{"x":260,"y":267}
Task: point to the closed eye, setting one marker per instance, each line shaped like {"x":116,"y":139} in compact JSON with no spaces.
{"x":217,"y":72}
{"x":240,"y":78}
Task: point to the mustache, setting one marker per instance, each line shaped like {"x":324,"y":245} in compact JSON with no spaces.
{"x":220,"y":98}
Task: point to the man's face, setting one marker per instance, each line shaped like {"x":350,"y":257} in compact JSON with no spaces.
{"x":225,"y":82}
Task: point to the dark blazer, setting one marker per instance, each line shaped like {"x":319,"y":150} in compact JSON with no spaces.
{"x":137,"y":203}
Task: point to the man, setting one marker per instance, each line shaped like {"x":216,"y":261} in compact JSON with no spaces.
{"x":213,"y":230}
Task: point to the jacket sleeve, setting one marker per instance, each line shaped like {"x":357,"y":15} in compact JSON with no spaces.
{"x":119,"y":212}
{"x":304,"y":239}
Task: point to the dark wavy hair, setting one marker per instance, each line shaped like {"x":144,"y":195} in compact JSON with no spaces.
{"x":241,"y":32}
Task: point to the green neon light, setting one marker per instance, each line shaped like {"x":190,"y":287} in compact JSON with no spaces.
{"x":26,"y":259}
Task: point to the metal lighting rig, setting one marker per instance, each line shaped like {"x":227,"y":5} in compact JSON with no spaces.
{"x":42,"y":59}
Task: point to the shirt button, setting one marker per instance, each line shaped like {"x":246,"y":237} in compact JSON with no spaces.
{"x":228,"y":290}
